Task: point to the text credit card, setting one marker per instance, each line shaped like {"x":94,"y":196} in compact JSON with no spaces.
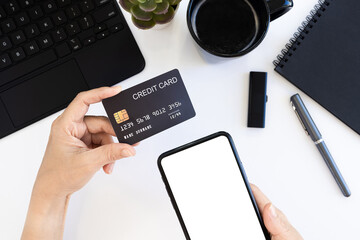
{"x":149,"y":108}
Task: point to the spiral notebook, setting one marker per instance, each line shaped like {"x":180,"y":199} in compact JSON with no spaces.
{"x":323,"y":59}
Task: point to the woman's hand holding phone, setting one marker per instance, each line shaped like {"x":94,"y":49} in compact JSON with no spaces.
{"x":208,"y":187}
{"x":275,"y":221}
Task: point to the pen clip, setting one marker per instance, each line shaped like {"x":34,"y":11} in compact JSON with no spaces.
{"x":298,"y":116}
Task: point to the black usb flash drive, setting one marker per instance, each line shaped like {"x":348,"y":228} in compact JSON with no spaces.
{"x":257,"y":99}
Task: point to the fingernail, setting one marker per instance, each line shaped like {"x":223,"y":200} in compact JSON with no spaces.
{"x":111,"y":168}
{"x":126,"y":153}
{"x":273,"y":212}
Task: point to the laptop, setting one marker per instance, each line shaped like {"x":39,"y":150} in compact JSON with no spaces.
{"x":50,"y":50}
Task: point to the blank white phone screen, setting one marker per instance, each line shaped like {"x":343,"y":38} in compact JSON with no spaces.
{"x":211,"y":194}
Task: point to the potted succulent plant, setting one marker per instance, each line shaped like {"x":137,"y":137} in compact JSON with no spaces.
{"x":147,"y":13}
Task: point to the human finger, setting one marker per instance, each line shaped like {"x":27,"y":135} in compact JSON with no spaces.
{"x":278,"y":225}
{"x":260,"y":197}
{"x":98,"y":124}
{"x":100,"y":139}
{"x":108,"y":168}
{"x":77,"y":109}
{"x":110,"y":152}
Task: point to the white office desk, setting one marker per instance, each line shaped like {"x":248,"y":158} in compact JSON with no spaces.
{"x":132,"y":204}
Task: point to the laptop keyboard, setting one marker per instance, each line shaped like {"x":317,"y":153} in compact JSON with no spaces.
{"x":34,"y":33}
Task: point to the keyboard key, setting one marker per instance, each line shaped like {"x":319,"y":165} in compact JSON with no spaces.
{"x":101,"y":2}
{"x":49,"y":6}
{"x":4,"y":61}
{"x":72,"y":28}
{"x":86,"y":34}
{"x":22,"y":19}
{"x":17,"y":54}
{"x":5,"y":44}
{"x":63,"y":3}
{"x":89,"y":41}
{"x":86,"y":5}
{"x":73,"y":12}
{"x":75,"y":44}
{"x":8,"y":25}
{"x":26,"y":3}
{"x":103,"y":34}
{"x":27,"y":66}
{"x":113,"y":21}
{"x":18,"y":37}
{"x":32,"y":31}
{"x":59,"y":35}
{"x":63,"y":50}
{"x":100,"y":28}
{"x":104,"y":13}
{"x":31,"y":48}
{"x":45,"y":41}
{"x":2,"y":13}
{"x":116,"y":28}
{"x":86,"y":22}
{"x":11,"y":7}
{"x":46,"y":24}
{"x":59,"y":18}
{"x":35,"y":13}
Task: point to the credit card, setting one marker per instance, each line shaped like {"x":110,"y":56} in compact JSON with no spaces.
{"x":149,"y":108}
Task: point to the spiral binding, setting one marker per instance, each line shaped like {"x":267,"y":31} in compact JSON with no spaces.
{"x":301,"y":33}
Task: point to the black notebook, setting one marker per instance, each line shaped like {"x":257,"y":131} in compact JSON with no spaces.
{"x":323,"y":59}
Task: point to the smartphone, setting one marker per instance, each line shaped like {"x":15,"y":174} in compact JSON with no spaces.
{"x":209,"y":191}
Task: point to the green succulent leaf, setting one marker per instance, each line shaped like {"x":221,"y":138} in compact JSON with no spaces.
{"x":176,"y":2}
{"x":172,"y":2}
{"x":135,"y":2}
{"x":162,"y":8}
{"x":164,"y":18}
{"x":143,"y":24}
{"x":140,"y":14}
{"x":141,"y":1}
{"x":148,"y":6}
{"x":158,"y":1}
{"x":126,"y":4}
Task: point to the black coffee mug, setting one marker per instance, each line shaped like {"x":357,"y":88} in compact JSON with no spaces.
{"x":231,"y":28}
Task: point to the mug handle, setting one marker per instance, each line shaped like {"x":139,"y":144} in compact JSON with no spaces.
{"x":279,"y":7}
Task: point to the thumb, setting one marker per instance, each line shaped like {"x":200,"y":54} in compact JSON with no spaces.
{"x":278,"y":225}
{"x":111,"y":152}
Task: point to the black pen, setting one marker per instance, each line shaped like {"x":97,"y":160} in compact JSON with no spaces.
{"x":311,"y":129}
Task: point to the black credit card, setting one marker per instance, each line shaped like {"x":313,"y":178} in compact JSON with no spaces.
{"x":149,"y":108}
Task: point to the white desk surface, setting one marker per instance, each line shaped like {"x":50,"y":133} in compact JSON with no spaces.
{"x":132,"y":203}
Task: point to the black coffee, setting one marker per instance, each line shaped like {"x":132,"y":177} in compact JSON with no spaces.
{"x":226,"y":26}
